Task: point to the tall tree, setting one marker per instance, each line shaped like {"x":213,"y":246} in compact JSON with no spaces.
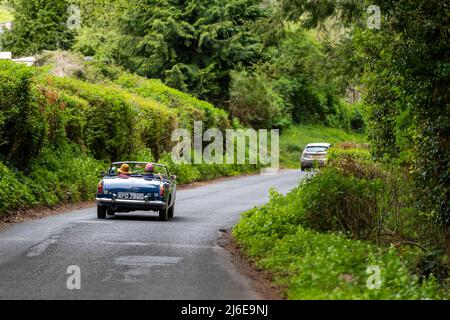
{"x":99,"y":30}
{"x":406,"y":72}
{"x":38,"y":25}
{"x":192,"y":45}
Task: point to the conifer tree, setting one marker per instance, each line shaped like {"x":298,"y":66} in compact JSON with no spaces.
{"x":38,"y":25}
{"x":192,"y":45}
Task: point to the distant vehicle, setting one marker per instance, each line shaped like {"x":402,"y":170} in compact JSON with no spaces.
{"x":315,"y":153}
{"x":136,"y":191}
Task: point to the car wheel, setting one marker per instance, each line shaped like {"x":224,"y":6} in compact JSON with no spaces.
{"x":164,"y":214}
{"x":101,"y":212}
{"x":172,"y":211}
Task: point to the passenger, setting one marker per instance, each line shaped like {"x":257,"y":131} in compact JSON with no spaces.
{"x":124,"y":171}
{"x":149,"y":173}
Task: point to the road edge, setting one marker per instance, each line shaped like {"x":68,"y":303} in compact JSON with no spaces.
{"x":40,"y":212}
{"x":261,"y":281}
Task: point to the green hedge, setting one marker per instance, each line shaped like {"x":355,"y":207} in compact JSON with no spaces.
{"x":58,"y":133}
{"x":113,"y":123}
{"x":21,"y":131}
{"x":320,"y":239}
{"x":317,"y":265}
{"x":56,"y":176}
{"x":188,"y":108}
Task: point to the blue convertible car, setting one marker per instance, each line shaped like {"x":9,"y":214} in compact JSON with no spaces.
{"x":136,"y":186}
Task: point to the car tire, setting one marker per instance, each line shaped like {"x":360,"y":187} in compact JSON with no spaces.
{"x":101,"y":212}
{"x":172,"y":211}
{"x":164,"y":214}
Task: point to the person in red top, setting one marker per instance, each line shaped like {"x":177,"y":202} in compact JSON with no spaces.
{"x":124,"y":171}
{"x":149,"y":172}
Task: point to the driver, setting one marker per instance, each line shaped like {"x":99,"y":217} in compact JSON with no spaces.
{"x":124,"y":171}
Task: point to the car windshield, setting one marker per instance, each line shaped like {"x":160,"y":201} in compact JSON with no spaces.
{"x":316,"y":149}
{"x":137,"y":169}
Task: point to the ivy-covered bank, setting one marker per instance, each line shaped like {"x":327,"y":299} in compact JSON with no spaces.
{"x":331,"y":236}
{"x":58,"y":133}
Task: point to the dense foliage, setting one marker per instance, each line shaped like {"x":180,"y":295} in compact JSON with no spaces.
{"x":405,"y":72}
{"x":320,"y":239}
{"x":98,"y":34}
{"x":294,"y":139}
{"x":192,"y":45}
{"x":216,"y":51}
{"x":38,"y":25}
{"x":58,"y":133}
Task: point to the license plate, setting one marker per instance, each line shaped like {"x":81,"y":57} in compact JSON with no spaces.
{"x":130,"y":196}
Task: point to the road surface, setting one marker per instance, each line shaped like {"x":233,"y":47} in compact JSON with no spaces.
{"x":134,"y":256}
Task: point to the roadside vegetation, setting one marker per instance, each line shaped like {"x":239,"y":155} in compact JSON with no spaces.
{"x":294,"y":139}
{"x":322,"y":238}
{"x":316,"y":72}
{"x":57,"y":133}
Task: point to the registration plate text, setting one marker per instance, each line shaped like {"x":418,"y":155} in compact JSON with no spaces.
{"x":130,"y":196}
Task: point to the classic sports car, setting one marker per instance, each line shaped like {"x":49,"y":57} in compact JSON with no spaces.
{"x":136,"y":189}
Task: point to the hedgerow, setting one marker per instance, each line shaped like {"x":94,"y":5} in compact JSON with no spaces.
{"x":116,"y":122}
{"x":58,"y":133}
{"x":188,"y":108}
{"x":321,"y":238}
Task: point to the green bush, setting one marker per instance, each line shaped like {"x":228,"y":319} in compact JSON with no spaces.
{"x":334,"y":201}
{"x":321,"y":237}
{"x":115,"y":123}
{"x":279,"y":217}
{"x":56,"y":133}
{"x":21,"y":131}
{"x":187,"y":173}
{"x":15,"y":193}
{"x":64,"y":175}
{"x":328,"y":266}
{"x":187,"y":108}
{"x":317,"y":265}
{"x":58,"y":175}
{"x":254,"y":101}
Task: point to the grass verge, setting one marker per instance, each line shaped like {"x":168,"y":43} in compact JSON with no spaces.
{"x":294,"y":139}
{"x":351,"y":231}
{"x":5,"y":15}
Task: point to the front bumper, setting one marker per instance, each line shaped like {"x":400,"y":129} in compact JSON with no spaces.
{"x":132,"y":204}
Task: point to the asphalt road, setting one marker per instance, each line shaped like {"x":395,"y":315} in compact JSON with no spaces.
{"x":134,"y":256}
